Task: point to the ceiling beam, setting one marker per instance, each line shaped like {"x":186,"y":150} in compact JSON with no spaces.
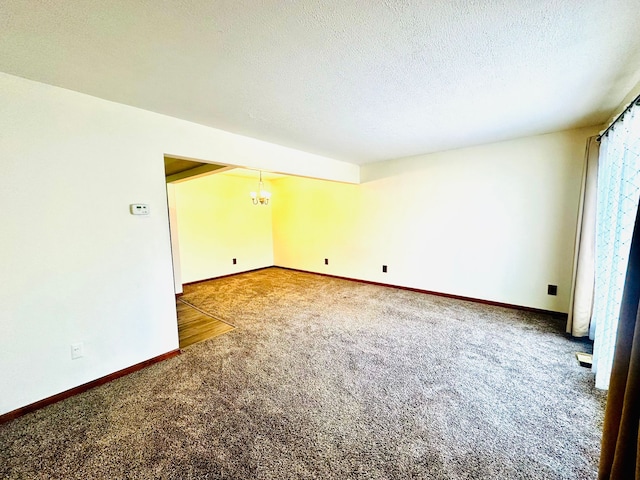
{"x":197,"y":172}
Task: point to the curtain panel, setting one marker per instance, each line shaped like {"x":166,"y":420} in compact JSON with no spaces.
{"x":581,"y":298}
{"x":618,"y":191}
{"x":620,"y":446}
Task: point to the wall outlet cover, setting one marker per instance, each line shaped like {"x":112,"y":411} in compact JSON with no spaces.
{"x":77,"y":350}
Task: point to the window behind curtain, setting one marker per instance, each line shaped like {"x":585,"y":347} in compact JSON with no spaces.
{"x":617,"y":203}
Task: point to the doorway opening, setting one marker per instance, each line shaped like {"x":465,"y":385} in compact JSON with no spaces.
{"x":193,"y":325}
{"x":216,"y":226}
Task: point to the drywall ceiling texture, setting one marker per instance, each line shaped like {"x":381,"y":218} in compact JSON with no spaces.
{"x":348,"y":79}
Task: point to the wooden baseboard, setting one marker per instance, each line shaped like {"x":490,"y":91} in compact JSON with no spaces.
{"x":228,"y":275}
{"x":84,"y":387}
{"x":555,"y":314}
{"x":440,"y":294}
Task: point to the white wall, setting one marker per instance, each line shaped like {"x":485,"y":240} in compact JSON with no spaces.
{"x":217,"y":223}
{"x":76,"y":266}
{"x":495,"y":222}
{"x":175,"y":239}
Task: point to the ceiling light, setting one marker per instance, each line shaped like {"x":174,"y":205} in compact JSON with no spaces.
{"x":261,"y":197}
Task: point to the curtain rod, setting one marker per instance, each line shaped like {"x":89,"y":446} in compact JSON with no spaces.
{"x":635,"y":101}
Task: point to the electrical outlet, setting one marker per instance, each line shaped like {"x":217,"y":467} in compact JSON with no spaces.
{"x":552,"y":290}
{"x":326,"y":261}
{"x":384,"y":269}
{"x":77,"y":350}
{"x":234,"y":261}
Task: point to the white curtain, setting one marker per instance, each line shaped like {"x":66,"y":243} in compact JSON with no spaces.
{"x":581,"y":303}
{"x":618,"y":191}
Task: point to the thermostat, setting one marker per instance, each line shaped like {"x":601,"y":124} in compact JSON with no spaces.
{"x":139,"y":209}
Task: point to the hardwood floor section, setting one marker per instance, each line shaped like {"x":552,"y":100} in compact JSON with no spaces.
{"x":195,"y":326}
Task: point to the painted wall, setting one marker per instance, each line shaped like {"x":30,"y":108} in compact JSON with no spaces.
{"x":175,"y":239}
{"x":76,"y":266}
{"x":494,"y":222}
{"x":218,"y":222}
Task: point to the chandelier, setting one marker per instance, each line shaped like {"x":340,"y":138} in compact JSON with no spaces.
{"x":261,"y":197}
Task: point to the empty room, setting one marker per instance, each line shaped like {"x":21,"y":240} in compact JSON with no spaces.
{"x":336,"y":240}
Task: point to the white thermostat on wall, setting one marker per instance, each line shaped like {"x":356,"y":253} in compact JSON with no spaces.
{"x":139,"y":209}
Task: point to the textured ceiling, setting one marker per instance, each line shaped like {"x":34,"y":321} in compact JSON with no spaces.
{"x":355,"y":80}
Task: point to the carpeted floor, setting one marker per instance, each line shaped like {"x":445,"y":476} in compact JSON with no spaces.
{"x":330,"y":379}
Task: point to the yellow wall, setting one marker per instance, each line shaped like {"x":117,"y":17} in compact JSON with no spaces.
{"x":314,"y":220}
{"x":217,"y":222}
{"x":495,"y":222}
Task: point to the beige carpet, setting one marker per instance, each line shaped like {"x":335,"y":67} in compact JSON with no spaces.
{"x":330,"y":379}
